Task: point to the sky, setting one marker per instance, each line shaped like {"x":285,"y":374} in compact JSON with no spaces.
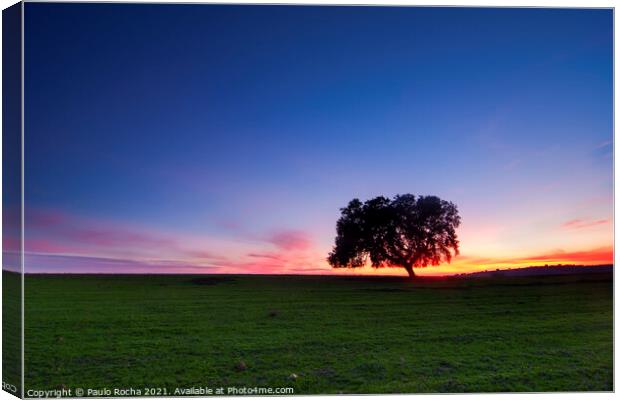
{"x":225,"y":139}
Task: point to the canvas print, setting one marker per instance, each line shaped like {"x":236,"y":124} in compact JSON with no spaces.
{"x":208,"y":199}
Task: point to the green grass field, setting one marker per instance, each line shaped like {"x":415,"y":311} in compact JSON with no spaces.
{"x":336,"y":334}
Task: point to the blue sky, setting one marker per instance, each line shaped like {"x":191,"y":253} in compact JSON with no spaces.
{"x":224,"y":128}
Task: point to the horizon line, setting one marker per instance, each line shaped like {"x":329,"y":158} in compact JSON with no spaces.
{"x":462,"y":274}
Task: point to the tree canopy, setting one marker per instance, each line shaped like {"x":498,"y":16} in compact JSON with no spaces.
{"x":406,"y":231}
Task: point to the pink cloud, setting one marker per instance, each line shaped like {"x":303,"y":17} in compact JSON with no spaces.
{"x":580,"y":223}
{"x":56,"y":232}
{"x":48,"y":246}
{"x":117,"y":237}
{"x":80,"y":240}
{"x":52,"y":263}
{"x":282,"y":262}
{"x":89,"y":231}
{"x":203,"y":254}
{"x":290,"y":240}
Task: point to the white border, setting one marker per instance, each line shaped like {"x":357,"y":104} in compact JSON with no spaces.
{"x":449,"y":3}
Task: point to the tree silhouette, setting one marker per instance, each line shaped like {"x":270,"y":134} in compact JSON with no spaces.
{"x":407,"y":231}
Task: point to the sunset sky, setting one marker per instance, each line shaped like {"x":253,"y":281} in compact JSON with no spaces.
{"x":224,"y":139}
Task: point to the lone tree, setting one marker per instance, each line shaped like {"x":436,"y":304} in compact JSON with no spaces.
{"x":407,"y":231}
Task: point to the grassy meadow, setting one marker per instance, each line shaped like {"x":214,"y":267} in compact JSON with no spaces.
{"x":320,"y":334}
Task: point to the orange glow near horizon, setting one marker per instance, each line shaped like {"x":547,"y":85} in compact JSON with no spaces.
{"x":466,"y":264}
{"x":456,"y":268}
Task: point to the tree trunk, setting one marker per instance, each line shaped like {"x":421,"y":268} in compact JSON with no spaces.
{"x":410,"y":272}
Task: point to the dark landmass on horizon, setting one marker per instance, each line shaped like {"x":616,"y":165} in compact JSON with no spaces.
{"x":542,"y":271}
